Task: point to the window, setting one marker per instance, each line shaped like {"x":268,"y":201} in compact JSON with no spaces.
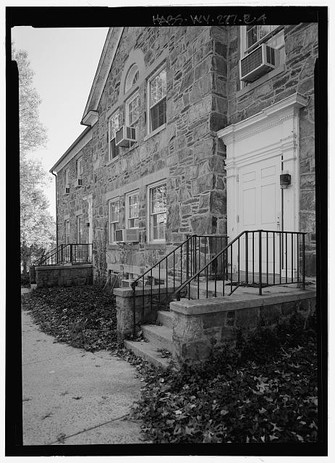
{"x":157,"y":212}
{"x":67,"y":231}
{"x":79,"y":168}
{"x":132,"y":110}
{"x":132,"y":78}
{"x":114,"y":217}
{"x":157,"y":100}
{"x":262,"y":51}
{"x":114,"y":126}
{"x":80,"y":235}
{"x":256,"y":33}
{"x":132,"y":209}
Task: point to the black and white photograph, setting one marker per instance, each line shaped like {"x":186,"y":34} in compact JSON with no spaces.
{"x":166,"y":230}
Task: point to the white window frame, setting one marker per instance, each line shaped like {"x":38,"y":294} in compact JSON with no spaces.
{"x":128,"y":103}
{"x":67,"y":231}
{"x":151,"y":187}
{"x":128,"y":211}
{"x":79,"y":165}
{"x":80,"y":226}
{"x":112,"y":225}
{"x":67,"y":178}
{"x":112,"y":133}
{"x":149,"y":106}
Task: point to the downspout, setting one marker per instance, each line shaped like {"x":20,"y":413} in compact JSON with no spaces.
{"x":55,"y":175}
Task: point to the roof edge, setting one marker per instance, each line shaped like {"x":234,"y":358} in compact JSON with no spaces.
{"x":68,"y":151}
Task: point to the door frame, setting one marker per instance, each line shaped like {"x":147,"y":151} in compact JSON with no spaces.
{"x":270,"y":133}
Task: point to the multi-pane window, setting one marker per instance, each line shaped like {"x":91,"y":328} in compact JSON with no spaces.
{"x":80,"y":235}
{"x":256,"y":33}
{"x":157,"y":100}
{"x":132,"y":209}
{"x":67,"y":231}
{"x":157,"y":212}
{"x":132,"y":110}
{"x":114,"y":217}
{"x":114,"y":126}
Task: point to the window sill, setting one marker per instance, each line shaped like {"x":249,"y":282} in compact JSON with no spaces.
{"x":280,"y":69}
{"x":155,"y":132}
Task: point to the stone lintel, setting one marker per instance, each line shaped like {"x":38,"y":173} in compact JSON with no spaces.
{"x":227,"y":303}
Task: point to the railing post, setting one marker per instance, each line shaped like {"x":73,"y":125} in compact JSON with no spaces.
{"x":246,"y":257}
{"x":260,"y":263}
{"x":303,"y":261}
{"x":187,"y":257}
{"x":71,"y":253}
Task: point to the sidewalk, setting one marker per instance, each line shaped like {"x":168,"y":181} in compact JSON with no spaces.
{"x":71,"y":396}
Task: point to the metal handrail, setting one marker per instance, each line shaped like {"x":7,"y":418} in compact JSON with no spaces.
{"x":223,"y":254}
{"x":71,"y":253}
{"x":186,"y":258}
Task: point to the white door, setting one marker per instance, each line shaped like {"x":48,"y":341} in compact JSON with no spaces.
{"x":259,"y":195}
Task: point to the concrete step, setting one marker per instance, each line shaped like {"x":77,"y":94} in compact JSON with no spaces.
{"x":148,"y":351}
{"x":159,"y":336}
{"x":165,"y":318}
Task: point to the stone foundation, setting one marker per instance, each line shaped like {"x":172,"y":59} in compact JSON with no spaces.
{"x":62,"y":275}
{"x":200,"y":324}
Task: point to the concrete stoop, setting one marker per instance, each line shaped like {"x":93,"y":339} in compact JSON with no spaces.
{"x":157,"y":341}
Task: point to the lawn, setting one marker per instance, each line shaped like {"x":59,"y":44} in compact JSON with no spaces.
{"x":264,"y":390}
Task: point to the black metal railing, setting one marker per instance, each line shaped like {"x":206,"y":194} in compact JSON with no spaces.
{"x":175,"y":268}
{"x":254,"y":258}
{"x":68,"y":254}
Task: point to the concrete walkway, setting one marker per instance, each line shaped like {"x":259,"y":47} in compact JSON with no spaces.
{"x":71,"y":396}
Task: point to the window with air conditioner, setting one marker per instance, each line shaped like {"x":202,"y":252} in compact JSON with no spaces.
{"x":114,"y":218}
{"x":157,"y":100}
{"x":157,"y":212}
{"x":114,"y":125}
{"x":262,"y":50}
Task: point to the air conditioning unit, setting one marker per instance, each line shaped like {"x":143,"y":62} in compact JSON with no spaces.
{"x":67,"y":190}
{"x":257,"y":63}
{"x":125,"y":135}
{"x":79,"y":181}
{"x":119,"y":236}
{"x":132,"y":235}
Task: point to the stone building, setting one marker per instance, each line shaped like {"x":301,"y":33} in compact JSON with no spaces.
{"x":191,"y":130}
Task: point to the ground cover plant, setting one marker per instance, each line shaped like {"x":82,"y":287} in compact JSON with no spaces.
{"x":83,"y":317}
{"x":264,"y":390}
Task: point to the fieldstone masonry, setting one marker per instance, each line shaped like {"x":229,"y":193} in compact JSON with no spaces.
{"x":62,"y":275}
{"x":203,"y":96}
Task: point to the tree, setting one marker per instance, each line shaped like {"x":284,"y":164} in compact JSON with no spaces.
{"x":37,"y":227}
{"x":32,"y":133}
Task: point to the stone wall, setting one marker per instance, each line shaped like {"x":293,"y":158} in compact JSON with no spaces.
{"x":198,"y":325}
{"x":203,"y":96}
{"x":185,"y":152}
{"x":57,"y":275}
{"x":296,"y":76}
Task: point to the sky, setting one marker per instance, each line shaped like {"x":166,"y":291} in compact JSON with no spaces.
{"x":64,"y":62}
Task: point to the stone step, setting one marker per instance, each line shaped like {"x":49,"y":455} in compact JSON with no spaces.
{"x":165,"y":318}
{"x":148,"y":351}
{"x":159,"y":336}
